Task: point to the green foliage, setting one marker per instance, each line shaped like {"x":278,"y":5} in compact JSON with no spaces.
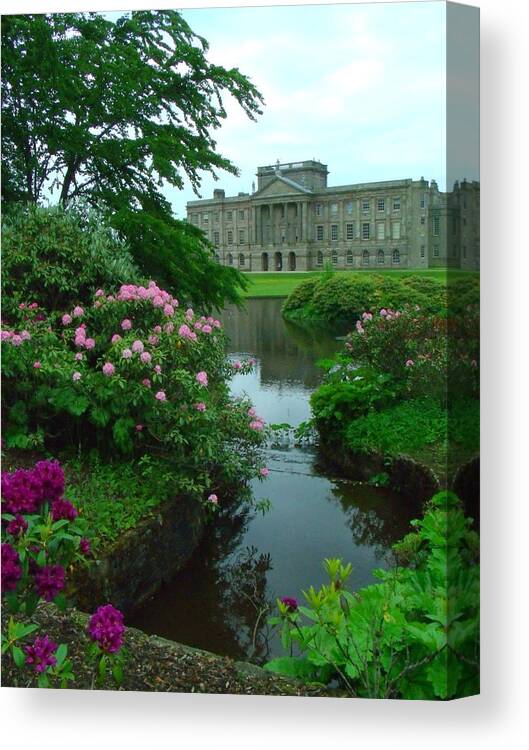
{"x":414,"y":635}
{"x":57,"y":675}
{"x":118,"y":110}
{"x":58,"y":258}
{"x":348,"y":394}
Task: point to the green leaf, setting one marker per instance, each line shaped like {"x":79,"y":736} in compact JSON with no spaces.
{"x":61,"y":653}
{"x":18,"y":656}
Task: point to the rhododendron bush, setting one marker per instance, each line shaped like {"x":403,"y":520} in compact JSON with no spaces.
{"x":131,"y":373}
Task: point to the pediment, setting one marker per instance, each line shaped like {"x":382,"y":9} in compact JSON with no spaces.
{"x":281,"y":186}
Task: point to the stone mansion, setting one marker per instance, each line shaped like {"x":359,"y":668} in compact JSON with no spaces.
{"x":294,"y":222}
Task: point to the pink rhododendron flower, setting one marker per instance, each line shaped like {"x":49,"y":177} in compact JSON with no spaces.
{"x":256,"y":425}
{"x":160,"y":396}
{"x":66,"y":319}
{"x":264,"y":472}
{"x":146,"y":382}
{"x":359,"y":327}
{"x":89,"y":343}
{"x":157,"y":369}
{"x":189,"y":314}
{"x":16,"y":340}
{"x":157,"y":329}
{"x":153,"y":340}
{"x":76,"y":376}
{"x":213,"y":499}
{"x":409,"y":363}
{"x":168,"y":310}
{"x":115,"y":338}
{"x":201,"y":406}
{"x":251,"y":412}
{"x":169,"y":327}
{"x":126,"y":354}
{"x":5,"y":335}
{"x":80,"y":332}
{"x":206,"y":328}
{"x":139,"y":427}
{"x":158,"y":301}
{"x":108,"y":369}
{"x":202,"y":378}
{"x":145,"y":357}
{"x":198,"y":326}
{"x":79,"y":357}
{"x":25,"y":335}
{"x":126,"y":324}
{"x":237,"y":365}
{"x":383,"y":312}
{"x":100,"y":293}
{"x":78,"y":312}
{"x":33,"y":306}
{"x":37,"y":365}
{"x":473,"y":363}
{"x":137,"y":346}
{"x":22,"y":306}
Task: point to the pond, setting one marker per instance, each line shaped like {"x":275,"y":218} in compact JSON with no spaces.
{"x":221,"y":600}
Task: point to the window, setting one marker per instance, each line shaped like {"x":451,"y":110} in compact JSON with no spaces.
{"x":241,"y":259}
{"x":436,"y":251}
{"x":395,"y":256}
{"x":216,"y":217}
{"x":365,"y":206}
{"x":365,"y":258}
{"x":241,"y":214}
{"x":436,"y":225}
{"x":241,"y":236}
{"x":230,"y":237}
{"x":215,"y":238}
{"x":380,"y":257}
{"x":395,"y":230}
{"x":229,"y":215}
{"x":396,"y":204}
{"x":334,"y":232}
{"x":205,"y":219}
{"x":217,"y":257}
{"x":365,"y":231}
{"x":350,"y":231}
{"x":319,"y":259}
{"x":194,"y":218}
{"x":334,"y":208}
{"x":319,"y":209}
{"x":349,"y":257}
{"x":423,"y":251}
{"x":334,"y":257}
{"x":423,"y":200}
{"x":381,"y":204}
{"x":423,"y":219}
{"x":349,"y":207}
{"x":230,"y":259}
{"x":381,"y":230}
{"x":319,"y":232}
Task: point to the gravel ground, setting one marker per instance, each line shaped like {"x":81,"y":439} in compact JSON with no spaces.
{"x":156,"y":664}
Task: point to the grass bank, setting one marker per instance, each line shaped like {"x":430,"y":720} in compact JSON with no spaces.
{"x":282,"y":284}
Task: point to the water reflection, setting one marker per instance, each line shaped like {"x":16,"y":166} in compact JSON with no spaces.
{"x":220,"y":601}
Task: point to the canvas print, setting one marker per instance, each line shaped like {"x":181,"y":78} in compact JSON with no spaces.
{"x":240,"y":350}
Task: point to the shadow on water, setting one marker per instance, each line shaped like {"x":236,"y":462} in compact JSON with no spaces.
{"x":221,"y":600}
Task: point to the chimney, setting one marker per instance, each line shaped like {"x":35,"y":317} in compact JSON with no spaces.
{"x":218,"y":195}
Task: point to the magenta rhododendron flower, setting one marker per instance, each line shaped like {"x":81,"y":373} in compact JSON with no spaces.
{"x":126,"y":324}
{"x":126,"y":354}
{"x":290,"y":603}
{"x":22,"y":491}
{"x":37,"y":365}
{"x":66,"y":319}
{"x":41,"y":654}
{"x":137,"y":346}
{"x":49,"y":581}
{"x":78,"y":312}
{"x":76,"y":376}
{"x":63,"y":509}
{"x":108,"y":369}
{"x":145,"y":357}
{"x":17,"y":526}
{"x":84,"y":546}
{"x":50,"y":476}
{"x":160,"y":396}
{"x":11,"y":568}
{"x":202,"y":378}
{"x":106,"y":628}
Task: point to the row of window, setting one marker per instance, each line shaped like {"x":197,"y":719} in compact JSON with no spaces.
{"x":216,"y":216}
{"x":365,"y":204}
{"x":366,"y":258}
{"x":365,"y":232}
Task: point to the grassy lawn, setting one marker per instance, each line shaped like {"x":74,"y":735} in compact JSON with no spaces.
{"x":281,"y":284}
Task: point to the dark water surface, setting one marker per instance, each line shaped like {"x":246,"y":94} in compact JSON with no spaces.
{"x":219,"y":600}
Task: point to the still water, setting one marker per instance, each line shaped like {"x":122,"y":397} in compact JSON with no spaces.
{"x":221,"y":600}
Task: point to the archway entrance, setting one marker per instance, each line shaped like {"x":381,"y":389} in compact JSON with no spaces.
{"x":278,"y":261}
{"x":264,"y":262}
{"x":292,"y":261}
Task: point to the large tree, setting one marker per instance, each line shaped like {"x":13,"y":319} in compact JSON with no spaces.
{"x":110,"y":112}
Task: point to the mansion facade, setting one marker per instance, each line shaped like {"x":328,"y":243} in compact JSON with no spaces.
{"x":294,"y":222}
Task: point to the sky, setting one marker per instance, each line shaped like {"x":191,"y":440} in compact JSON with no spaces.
{"x":361,"y":88}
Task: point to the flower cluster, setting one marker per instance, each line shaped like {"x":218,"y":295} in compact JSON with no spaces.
{"x":11,"y":568}
{"x":14,"y":338}
{"x":24,"y":490}
{"x":106,"y":628}
{"x":41,"y":654}
{"x":49,"y":581}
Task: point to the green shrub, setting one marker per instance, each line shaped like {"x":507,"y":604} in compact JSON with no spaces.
{"x":414,"y":635}
{"x":59,"y":257}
